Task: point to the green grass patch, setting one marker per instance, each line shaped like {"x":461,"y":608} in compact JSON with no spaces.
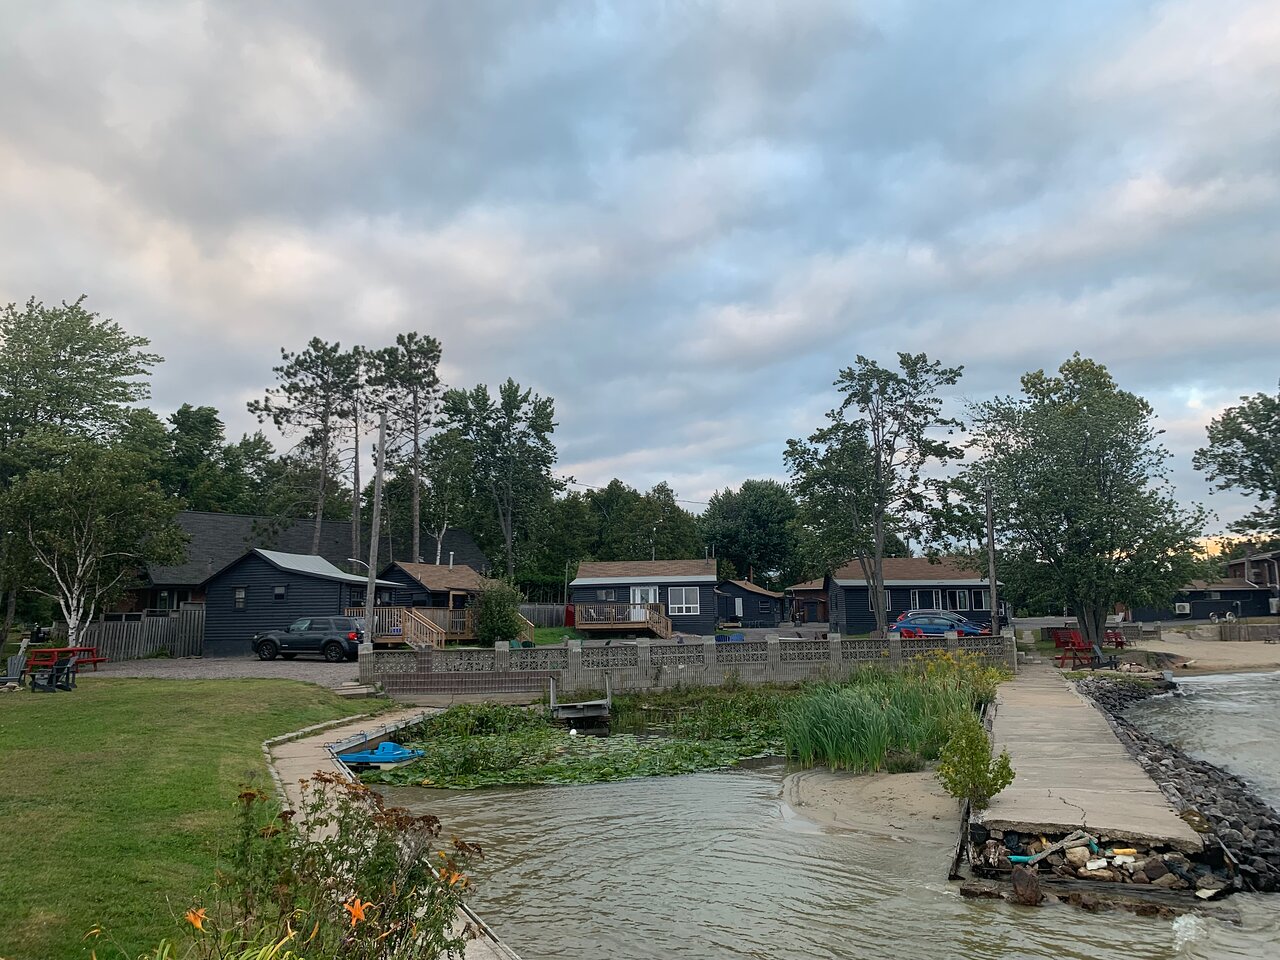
{"x":542,"y":636}
{"x":119,"y":797}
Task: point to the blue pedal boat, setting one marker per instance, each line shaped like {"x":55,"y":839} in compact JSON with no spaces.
{"x":384,"y":756}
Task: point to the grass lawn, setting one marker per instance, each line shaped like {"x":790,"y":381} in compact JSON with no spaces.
{"x":546,"y":635}
{"x":117,"y":798}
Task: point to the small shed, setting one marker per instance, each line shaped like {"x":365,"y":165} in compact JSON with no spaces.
{"x":748,"y":604}
{"x":807,"y":602}
{"x":268,"y":590}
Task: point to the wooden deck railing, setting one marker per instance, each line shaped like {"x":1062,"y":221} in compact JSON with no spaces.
{"x":642,"y":616}
{"x":429,"y":626}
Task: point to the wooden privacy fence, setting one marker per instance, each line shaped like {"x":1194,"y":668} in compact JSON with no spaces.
{"x":543,"y":614}
{"x":133,"y":636}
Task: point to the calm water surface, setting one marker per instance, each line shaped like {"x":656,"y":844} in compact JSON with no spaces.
{"x":716,"y":866}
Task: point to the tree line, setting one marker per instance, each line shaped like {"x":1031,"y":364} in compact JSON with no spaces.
{"x":90,"y":478}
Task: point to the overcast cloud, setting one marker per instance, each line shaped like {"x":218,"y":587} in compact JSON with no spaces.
{"x":678,"y":219}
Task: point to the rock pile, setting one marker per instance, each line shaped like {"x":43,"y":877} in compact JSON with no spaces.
{"x":1212,"y":800}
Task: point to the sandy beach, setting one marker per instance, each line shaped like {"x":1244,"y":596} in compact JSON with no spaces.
{"x":911,"y":807}
{"x":1215,"y":656}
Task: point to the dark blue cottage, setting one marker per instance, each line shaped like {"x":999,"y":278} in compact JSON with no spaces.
{"x":268,"y":590}
{"x":748,"y":604}
{"x":432,"y":584}
{"x":1203,"y":599}
{"x":911,"y":583}
{"x":645,"y":597}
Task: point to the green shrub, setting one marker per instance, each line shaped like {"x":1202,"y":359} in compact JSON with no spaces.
{"x":968,"y":771}
{"x":497,"y":608}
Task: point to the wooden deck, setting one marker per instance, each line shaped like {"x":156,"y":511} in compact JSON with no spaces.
{"x":424,"y":627}
{"x":622,"y":618}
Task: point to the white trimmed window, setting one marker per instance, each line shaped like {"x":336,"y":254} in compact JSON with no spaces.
{"x":604,"y":594}
{"x":926,"y":599}
{"x":683,"y":601}
{"x":239,"y":595}
{"x":888,"y":600}
{"x":958,"y":600}
{"x":982,"y":599}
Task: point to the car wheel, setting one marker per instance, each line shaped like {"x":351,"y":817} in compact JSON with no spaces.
{"x":334,"y":653}
{"x":288,"y":656}
{"x":267,"y":650}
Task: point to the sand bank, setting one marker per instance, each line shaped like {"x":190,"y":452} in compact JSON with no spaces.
{"x":906,"y":806}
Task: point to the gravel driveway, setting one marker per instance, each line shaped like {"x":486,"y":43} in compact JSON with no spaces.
{"x":225,"y":668}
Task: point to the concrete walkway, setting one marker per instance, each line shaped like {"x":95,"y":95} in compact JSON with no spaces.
{"x":1071,"y":770}
{"x":296,"y":760}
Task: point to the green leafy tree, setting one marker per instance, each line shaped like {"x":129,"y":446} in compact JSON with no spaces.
{"x":860,"y":479}
{"x":1243,"y":454}
{"x":88,"y":520}
{"x":497,"y":612}
{"x":1085,"y":515}
{"x":508,"y":443}
{"x":62,"y":368}
{"x":407,"y":375}
{"x":314,"y":398}
{"x":753,"y":528}
{"x":966,"y":768}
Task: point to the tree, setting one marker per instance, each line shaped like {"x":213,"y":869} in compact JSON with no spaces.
{"x":860,"y":481}
{"x":1084,"y":511}
{"x":313,"y":398}
{"x":752,"y":528}
{"x":408,"y":378}
{"x":62,"y":368}
{"x":508,"y":443}
{"x":1244,"y":454}
{"x":88,"y":520}
{"x":449,"y":487}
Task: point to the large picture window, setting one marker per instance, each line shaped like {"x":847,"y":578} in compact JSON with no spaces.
{"x":926,"y":599}
{"x":682,"y":601}
{"x":958,"y":600}
{"x":982,"y":599}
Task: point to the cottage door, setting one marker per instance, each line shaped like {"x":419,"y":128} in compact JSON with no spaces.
{"x":640,"y":596}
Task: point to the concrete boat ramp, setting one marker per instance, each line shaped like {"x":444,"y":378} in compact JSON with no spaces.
{"x":1071,"y":771}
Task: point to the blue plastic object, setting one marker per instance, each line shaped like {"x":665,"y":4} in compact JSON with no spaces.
{"x":386,"y":752}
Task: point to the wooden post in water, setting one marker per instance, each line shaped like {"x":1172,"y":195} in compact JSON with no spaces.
{"x":371,"y":629}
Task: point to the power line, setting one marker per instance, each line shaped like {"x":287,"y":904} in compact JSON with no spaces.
{"x":575,"y":483}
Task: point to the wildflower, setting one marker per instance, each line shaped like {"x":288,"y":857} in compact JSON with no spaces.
{"x":356,"y":908}
{"x":196,"y":918}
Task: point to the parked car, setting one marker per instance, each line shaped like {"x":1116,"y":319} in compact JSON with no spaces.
{"x":935,"y":625}
{"x":334,"y":638}
{"x":949,"y":614}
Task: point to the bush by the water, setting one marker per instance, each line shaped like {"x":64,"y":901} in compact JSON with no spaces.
{"x":968,"y":771}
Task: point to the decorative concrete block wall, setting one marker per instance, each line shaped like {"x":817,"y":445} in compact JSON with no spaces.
{"x":652,"y":665}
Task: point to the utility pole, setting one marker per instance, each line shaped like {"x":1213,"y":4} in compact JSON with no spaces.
{"x":991,"y":566}
{"x":369,"y":594}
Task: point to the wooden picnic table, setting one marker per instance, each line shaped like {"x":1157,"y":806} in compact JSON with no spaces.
{"x":42,"y":657}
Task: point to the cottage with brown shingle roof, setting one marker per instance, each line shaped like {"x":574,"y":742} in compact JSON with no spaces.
{"x":748,"y":604}
{"x":645,"y":597}
{"x":911,"y":583}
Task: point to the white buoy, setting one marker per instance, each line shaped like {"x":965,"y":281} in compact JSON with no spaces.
{"x":573,"y":732}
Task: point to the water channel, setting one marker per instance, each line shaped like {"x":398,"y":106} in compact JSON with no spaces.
{"x":723,"y":865}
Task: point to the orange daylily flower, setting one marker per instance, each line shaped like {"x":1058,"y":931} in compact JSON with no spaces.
{"x":196,"y":918}
{"x":357,"y":908}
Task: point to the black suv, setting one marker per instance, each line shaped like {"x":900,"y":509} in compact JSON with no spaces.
{"x":336,"y":638}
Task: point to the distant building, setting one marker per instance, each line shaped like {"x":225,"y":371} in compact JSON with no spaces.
{"x":1258,"y":569}
{"x":807,"y":602}
{"x":748,"y":604}
{"x":1206,"y":599}
{"x":911,"y":583}
{"x":218,"y":539}
{"x":268,"y":590}
{"x":657,"y":597}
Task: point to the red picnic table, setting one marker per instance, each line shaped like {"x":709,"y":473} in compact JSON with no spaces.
{"x":42,"y":657}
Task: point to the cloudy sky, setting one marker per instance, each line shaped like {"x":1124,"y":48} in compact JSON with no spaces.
{"x":677,"y":218}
